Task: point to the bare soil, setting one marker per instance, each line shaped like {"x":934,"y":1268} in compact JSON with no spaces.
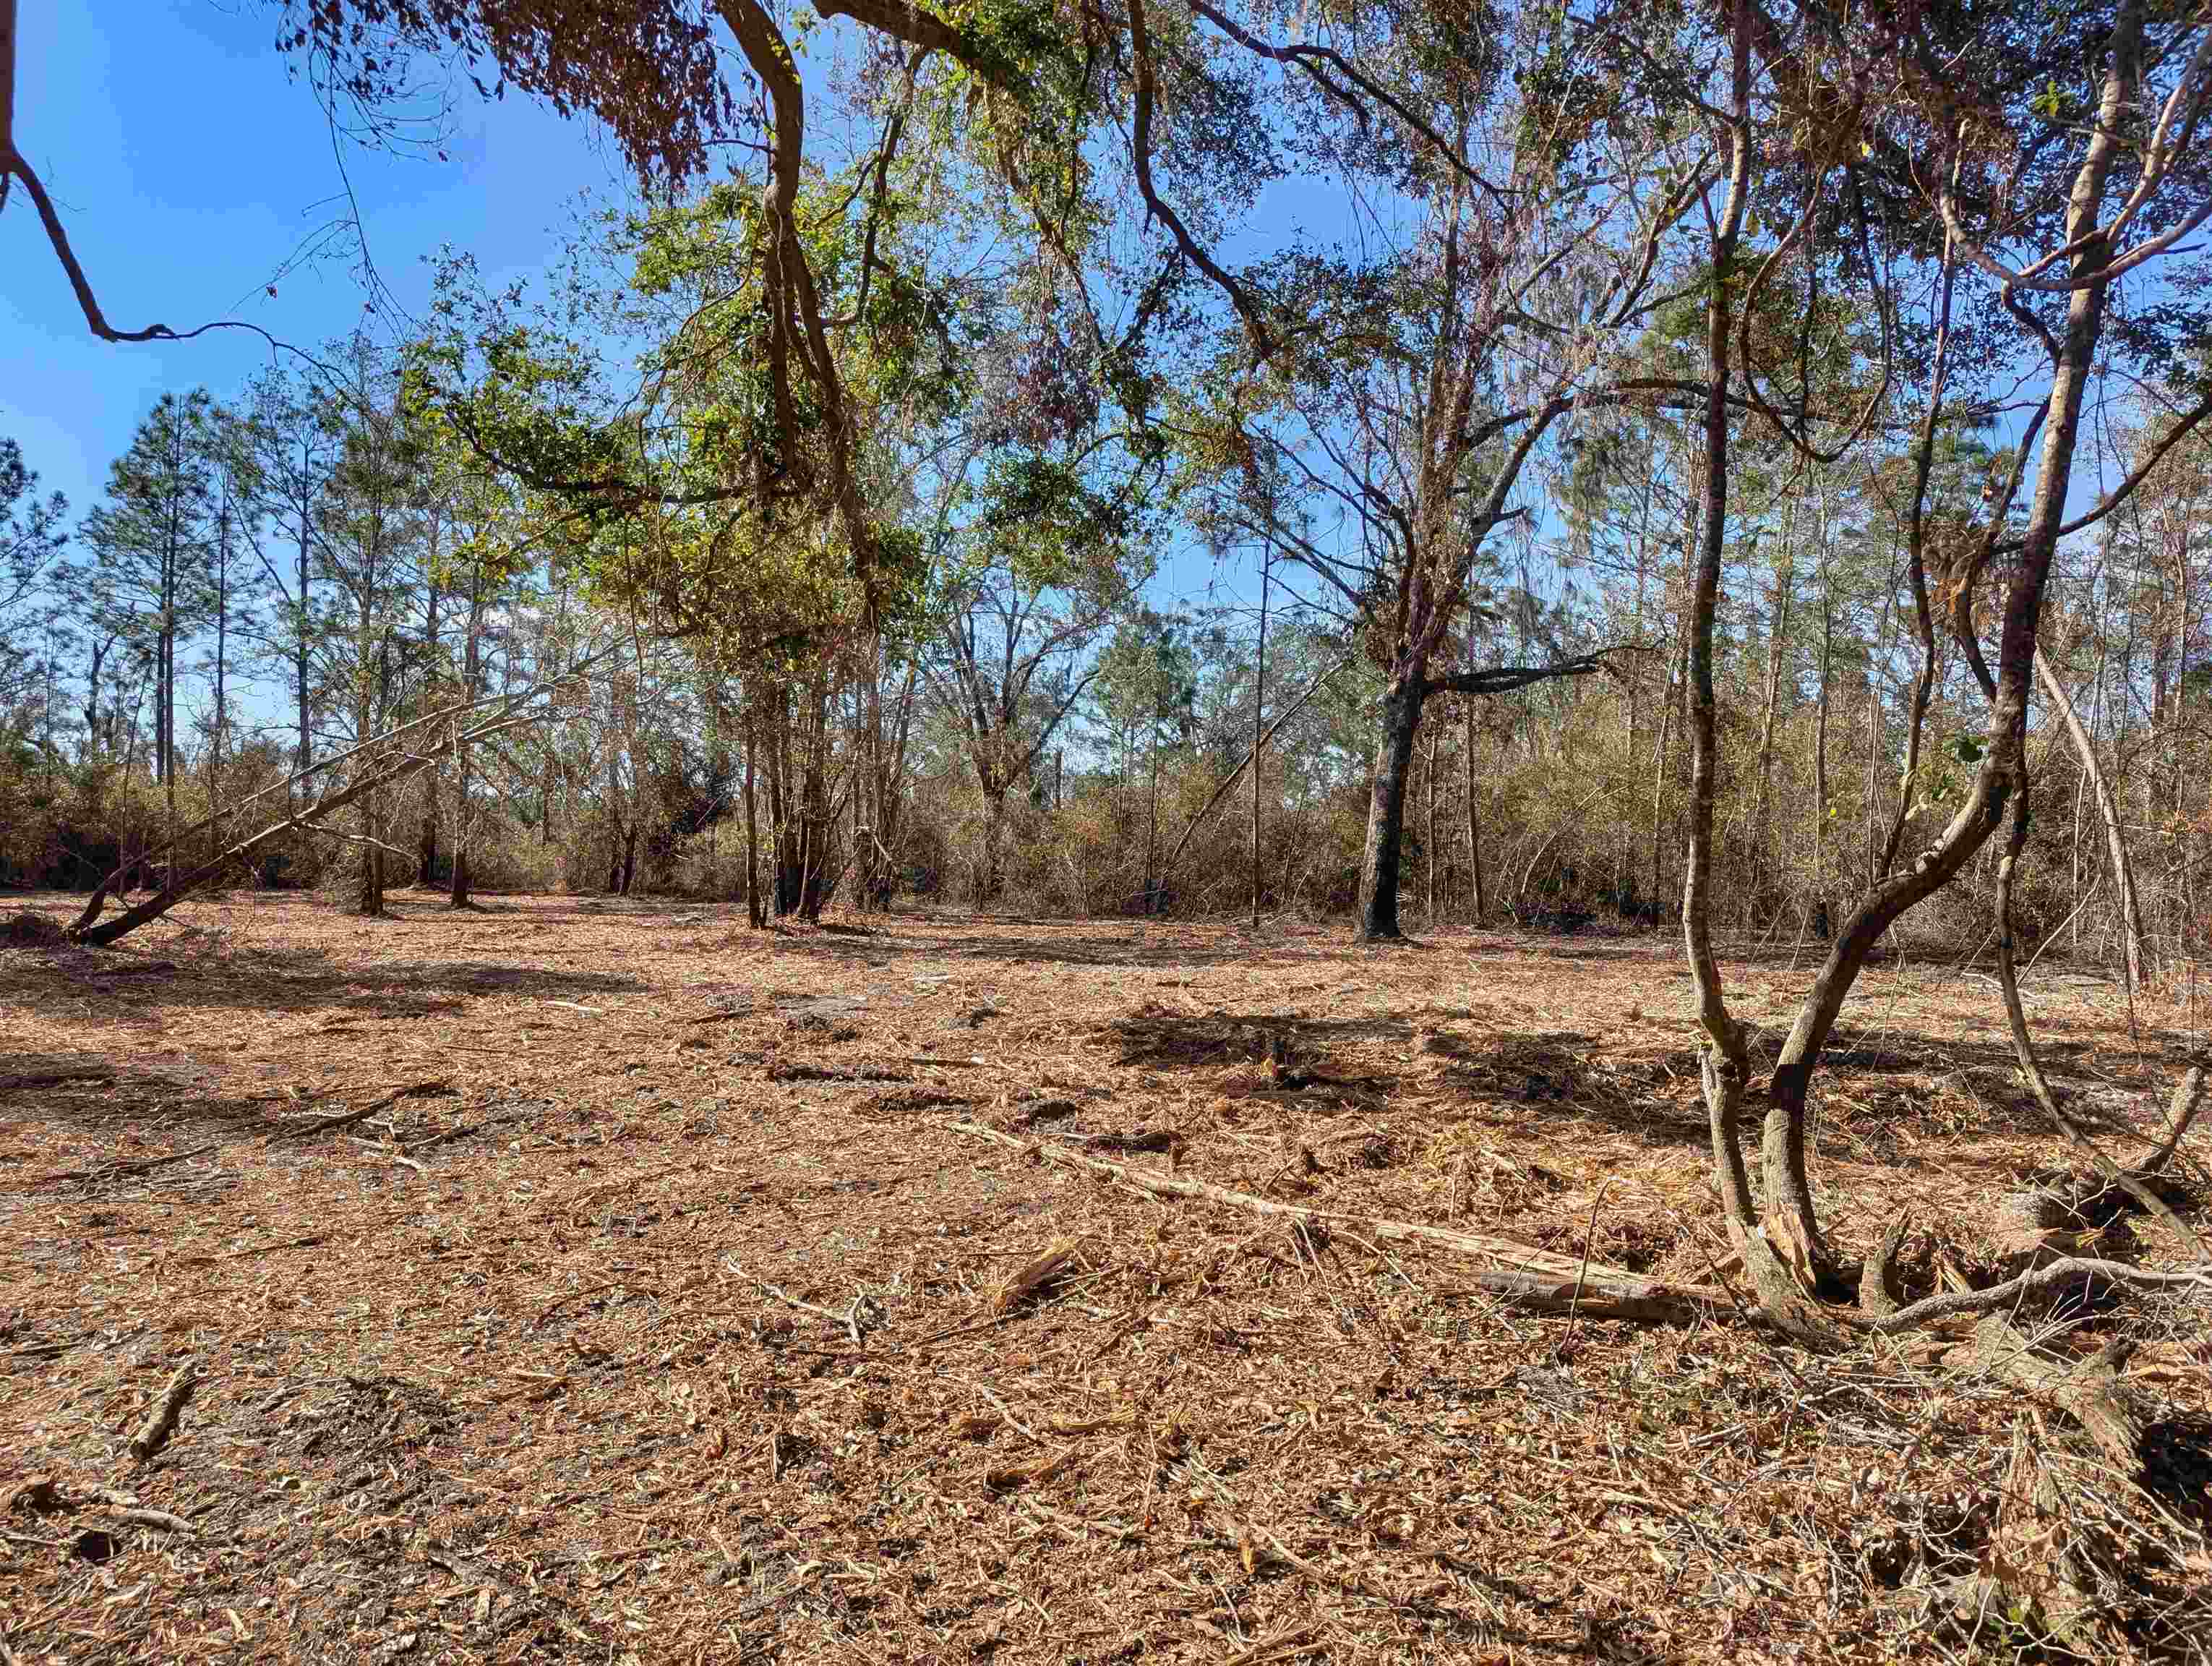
{"x":653,"y":1306}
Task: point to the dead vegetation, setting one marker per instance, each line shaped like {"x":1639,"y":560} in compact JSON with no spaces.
{"x":600,"y":1283}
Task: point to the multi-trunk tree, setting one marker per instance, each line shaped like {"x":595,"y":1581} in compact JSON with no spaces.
{"x":2050,"y":211}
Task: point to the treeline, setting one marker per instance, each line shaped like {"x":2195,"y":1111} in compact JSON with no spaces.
{"x":271,"y":580}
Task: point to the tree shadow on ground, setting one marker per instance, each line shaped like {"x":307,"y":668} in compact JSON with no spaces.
{"x":157,"y":1094}
{"x":1131,"y":953}
{"x":1878,"y":1093}
{"x":144,"y":991}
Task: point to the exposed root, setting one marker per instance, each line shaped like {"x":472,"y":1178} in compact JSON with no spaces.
{"x":2067,"y":1270}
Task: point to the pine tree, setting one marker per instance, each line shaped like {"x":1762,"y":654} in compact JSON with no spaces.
{"x":367,"y":538}
{"x":151,"y":540}
{"x":31,"y":542}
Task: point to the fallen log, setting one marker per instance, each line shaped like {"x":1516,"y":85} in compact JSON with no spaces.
{"x":2188,"y":1100}
{"x":1530,"y":1277}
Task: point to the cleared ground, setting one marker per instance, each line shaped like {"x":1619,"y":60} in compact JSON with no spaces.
{"x":651,"y":1309}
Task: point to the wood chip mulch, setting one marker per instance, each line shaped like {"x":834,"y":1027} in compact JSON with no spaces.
{"x":603,"y":1281}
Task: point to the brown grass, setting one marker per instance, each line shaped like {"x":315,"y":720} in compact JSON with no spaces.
{"x":552,"y":1355}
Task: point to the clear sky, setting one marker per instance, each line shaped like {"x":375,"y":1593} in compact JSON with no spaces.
{"x":188,"y":166}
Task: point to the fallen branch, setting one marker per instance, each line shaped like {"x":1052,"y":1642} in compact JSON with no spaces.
{"x":347,"y":1119}
{"x":2188,"y":1100}
{"x":155,"y":1518}
{"x":161,"y":1422}
{"x":463,"y":1130}
{"x":89,"y":928}
{"x":850,"y":1318}
{"x":1535,"y":1278}
{"x":111,"y":1170}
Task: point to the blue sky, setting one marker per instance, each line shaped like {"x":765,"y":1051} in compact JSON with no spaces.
{"x":188,"y":166}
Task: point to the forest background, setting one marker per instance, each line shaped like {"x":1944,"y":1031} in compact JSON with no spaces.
{"x":1045,"y":710}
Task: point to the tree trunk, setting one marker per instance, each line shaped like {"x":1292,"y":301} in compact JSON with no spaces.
{"x":756,"y":912}
{"x":1724,"y":1057}
{"x":1474,"y":822}
{"x":463,"y":817}
{"x":425,"y":838}
{"x":1785,"y":578}
{"x":987,"y":871}
{"x":1429,"y":838}
{"x":2116,"y":843}
{"x":1668,"y":699}
{"x":300,"y":622}
{"x":1386,"y":807}
{"x":1152,"y":822}
{"x":1819,"y":906}
{"x":221,"y":667}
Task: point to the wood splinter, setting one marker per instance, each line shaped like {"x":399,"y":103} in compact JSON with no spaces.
{"x":161,"y":1422}
{"x":1028,"y":1280}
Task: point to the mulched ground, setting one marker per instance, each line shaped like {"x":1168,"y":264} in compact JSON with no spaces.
{"x":649,"y":1303}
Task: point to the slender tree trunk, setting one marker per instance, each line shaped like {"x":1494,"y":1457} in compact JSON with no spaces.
{"x":1624,"y":878}
{"x":2177,"y":721}
{"x":1980,"y":815}
{"x":221,"y":670}
{"x":756,"y":916}
{"x":426,"y":839}
{"x":988,"y":876}
{"x":1669,"y":697}
{"x":165,"y":720}
{"x":464,"y":814}
{"x":1152,"y":824}
{"x":1259,"y":735}
{"x":1429,"y":839}
{"x":1785,"y":579}
{"x":1819,"y":907}
{"x":2116,"y":843}
{"x":1473,"y":821}
{"x":299,"y":623}
{"x":1723,"y":1057}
